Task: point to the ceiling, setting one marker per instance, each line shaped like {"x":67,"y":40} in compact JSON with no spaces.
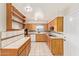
{"x":47,"y":10}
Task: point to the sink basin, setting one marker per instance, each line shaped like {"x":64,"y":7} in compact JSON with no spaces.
{"x":53,"y":35}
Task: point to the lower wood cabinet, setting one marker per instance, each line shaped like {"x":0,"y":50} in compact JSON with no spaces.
{"x":22,"y":51}
{"x":40,"y":38}
{"x":57,"y":48}
{"x":56,"y":45}
{"x":25,"y":49}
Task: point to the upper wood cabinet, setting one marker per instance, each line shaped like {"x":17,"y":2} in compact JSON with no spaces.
{"x":30,"y":26}
{"x":57,"y":23}
{"x":15,"y":19}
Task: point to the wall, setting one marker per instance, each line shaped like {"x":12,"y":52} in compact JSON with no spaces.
{"x":71,"y":30}
{"x":2,"y":17}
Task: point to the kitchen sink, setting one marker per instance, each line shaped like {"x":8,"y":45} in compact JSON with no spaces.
{"x":52,"y":35}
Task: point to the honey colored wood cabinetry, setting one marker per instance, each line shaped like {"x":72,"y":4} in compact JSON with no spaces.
{"x":22,"y":51}
{"x":41,"y":38}
{"x":57,"y":23}
{"x":57,"y":48}
{"x":56,"y":45}
{"x":11,"y":13}
{"x":30,"y":26}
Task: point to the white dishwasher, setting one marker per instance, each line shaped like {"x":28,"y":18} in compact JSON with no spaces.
{"x":33,"y":39}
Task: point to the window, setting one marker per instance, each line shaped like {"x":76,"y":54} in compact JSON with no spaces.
{"x":39,"y":28}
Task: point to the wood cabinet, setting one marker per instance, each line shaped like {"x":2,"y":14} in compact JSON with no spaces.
{"x":56,"y":45}
{"x":41,"y":38}
{"x":57,"y":48}
{"x":57,"y":23}
{"x":30,"y":26}
{"x":22,"y":51}
{"x":13,"y":17}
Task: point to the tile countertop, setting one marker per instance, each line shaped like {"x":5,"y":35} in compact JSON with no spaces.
{"x":57,"y":36}
{"x":18,"y":43}
{"x":37,"y":32}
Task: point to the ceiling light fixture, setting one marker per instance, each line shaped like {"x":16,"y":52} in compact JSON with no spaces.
{"x":28,"y":8}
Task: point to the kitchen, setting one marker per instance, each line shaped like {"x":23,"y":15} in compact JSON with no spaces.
{"x":50,"y":31}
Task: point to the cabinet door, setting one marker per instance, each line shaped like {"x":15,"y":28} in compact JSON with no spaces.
{"x":60,"y":24}
{"x":40,"y":37}
{"x":61,"y":47}
{"x":57,"y":47}
{"x":23,"y":53}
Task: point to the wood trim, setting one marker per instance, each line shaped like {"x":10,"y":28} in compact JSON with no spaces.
{"x":8,"y":16}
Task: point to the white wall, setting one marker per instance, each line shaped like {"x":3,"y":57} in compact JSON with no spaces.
{"x":2,"y":17}
{"x":71,"y":30}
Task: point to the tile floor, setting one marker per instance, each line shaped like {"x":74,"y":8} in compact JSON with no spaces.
{"x":39,"y":49}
